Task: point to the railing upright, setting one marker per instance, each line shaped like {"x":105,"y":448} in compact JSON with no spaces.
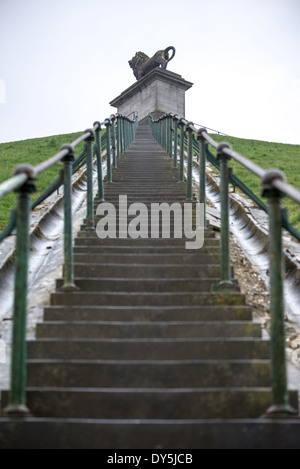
{"x":161,"y":132}
{"x":124,"y":134}
{"x":68,"y":224}
{"x":175,"y":152}
{"x":113,"y":140}
{"x":17,"y":396}
{"x":169,"y":136}
{"x":119,"y":151}
{"x":90,"y":222}
{"x":190,"y":162}
{"x":97,"y":127}
{"x":158,"y":132}
{"x":280,"y":399}
{"x":202,"y":173}
{"x":108,"y":149}
{"x":225,"y":283}
{"x":166,"y":135}
{"x":181,"y":162}
{"x":130,"y":132}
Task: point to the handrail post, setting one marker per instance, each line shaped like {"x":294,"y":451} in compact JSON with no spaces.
{"x":190,"y":162}
{"x":166,"y":134}
{"x":156,"y":127}
{"x":181,"y":163}
{"x":136,"y":123}
{"x":120,"y":120}
{"x":108,"y":151}
{"x":175,"y":120}
{"x":128,"y":133}
{"x":131,"y":132}
{"x":169,"y":135}
{"x":118,"y":137}
{"x":122,"y":143}
{"x":280,"y":407}
{"x":68,"y":236}
{"x":113,"y":140}
{"x":202,"y":172}
{"x":160,"y":132}
{"x":124,"y":134}
{"x":17,"y":396}
{"x":99,"y":161}
{"x":90,"y":219}
{"x":225,"y":283}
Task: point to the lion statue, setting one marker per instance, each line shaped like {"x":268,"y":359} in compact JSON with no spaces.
{"x":141,"y":64}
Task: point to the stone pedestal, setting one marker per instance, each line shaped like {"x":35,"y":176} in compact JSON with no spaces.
{"x":159,"y":92}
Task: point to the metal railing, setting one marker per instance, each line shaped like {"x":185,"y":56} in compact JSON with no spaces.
{"x":274,"y":187}
{"x":120,"y":132}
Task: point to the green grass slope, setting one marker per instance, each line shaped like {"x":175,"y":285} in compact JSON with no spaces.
{"x":33,"y":152}
{"x":267,"y":155}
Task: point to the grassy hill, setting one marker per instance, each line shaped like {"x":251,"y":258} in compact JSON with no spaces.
{"x":268,"y":155}
{"x":265,"y":154}
{"x":33,"y":152}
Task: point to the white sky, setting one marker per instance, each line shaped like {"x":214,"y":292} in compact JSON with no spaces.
{"x":63,"y":61}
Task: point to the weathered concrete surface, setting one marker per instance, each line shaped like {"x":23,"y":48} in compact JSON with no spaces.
{"x":159,"y":92}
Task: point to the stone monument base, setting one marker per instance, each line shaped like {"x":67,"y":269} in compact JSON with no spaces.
{"x":159,"y":92}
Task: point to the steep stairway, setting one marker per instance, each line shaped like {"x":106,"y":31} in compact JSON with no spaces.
{"x":143,"y":355}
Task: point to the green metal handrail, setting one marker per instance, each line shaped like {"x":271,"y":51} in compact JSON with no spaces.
{"x":274,"y":187}
{"x":23,"y":182}
{"x":54,"y":186}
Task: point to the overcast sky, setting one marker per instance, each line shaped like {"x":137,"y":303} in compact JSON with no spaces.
{"x":63,"y":61}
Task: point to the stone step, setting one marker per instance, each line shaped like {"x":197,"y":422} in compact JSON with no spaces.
{"x":112,"y":298}
{"x":151,"y":349}
{"x":146,"y":199}
{"x":161,"y":244}
{"x":146,"y":313}
{"x":178,"y":243}
{"x":158,"y":178}
{"x":124,"y":220}
{"x":172,"y":270}
{"x":151,"y":190}
{"x":181,"y":434}
{"x":142,"y":285}
{"x":139,"y":330}
{"x":94,"y":403}
{"x":144,"y":196}
{"x":175,"y":193}
{"x":94,"y":248}
{"x":143,"y":228}
{"x":148,"y":373}
{"x":155,"y":192}
{"x":188,"y":258}
{"x":134,"y":180}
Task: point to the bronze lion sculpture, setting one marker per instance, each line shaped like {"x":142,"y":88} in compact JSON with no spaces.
{"x":141,"y":64}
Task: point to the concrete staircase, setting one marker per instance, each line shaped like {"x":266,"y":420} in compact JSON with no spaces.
{"x":143,"y":355}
